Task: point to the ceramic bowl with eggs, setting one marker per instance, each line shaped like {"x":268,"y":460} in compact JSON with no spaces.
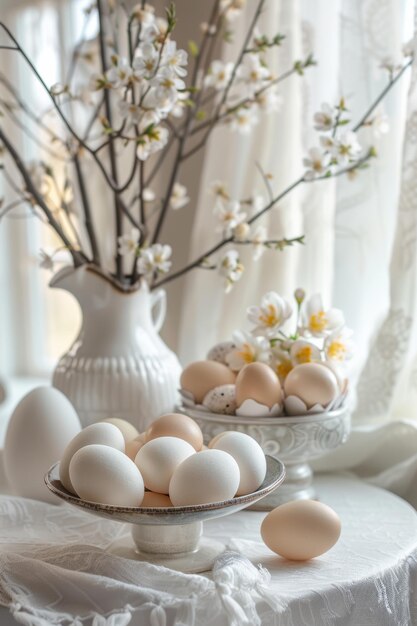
{"x":165,"y":482}
{"x":298,"y":420}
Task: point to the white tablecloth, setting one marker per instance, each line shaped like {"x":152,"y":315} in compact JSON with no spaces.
{"x":368,"y":579}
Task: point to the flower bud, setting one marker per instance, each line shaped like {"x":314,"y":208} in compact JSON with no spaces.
{"x":241,"y":231}
{"x":299,"y":295}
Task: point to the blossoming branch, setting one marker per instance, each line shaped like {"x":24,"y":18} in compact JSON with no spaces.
{"x":130,"y":98}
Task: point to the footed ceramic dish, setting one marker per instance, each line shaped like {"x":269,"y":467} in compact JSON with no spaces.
{"x":171,"y":536}
{"x":296,"y":440}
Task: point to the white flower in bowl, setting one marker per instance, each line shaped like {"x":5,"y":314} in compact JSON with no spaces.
{"x":303,"y":351}
{"x":281,"y":362}
{"x":270,"y":316}
{"x":249,"y":349}
{"x":318,"y":322}
{"x":339,"y":346}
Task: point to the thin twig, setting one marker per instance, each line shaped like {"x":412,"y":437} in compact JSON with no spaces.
{"x":87,"y":211}
{"x":78,"y":257}
{"x":112,"y":153}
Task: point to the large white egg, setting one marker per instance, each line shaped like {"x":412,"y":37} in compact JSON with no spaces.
{"x":101,"y":433}
{"x":106,"y":475}
{"x":208,"y":476}
{"x":250,"y":457}
{"x":40,"y":428}
{"x":159,"y":458}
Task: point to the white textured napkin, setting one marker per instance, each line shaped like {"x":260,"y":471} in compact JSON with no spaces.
{"x":54,"y":569}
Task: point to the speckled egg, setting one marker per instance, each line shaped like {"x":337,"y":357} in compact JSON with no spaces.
{"x":221,"y":400}
{"x":220,"y":351}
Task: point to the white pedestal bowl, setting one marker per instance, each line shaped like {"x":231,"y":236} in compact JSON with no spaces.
{"x":296,"y":440}
{"x":172,"y":536}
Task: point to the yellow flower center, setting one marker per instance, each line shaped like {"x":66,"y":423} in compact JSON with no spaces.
{"x":318,"y":322}
{"x":304,"y":354}
{"x":337,"y":350}
{"x":270,"y":317}
{"x":283,"y":369}
{"x":247,"y":354}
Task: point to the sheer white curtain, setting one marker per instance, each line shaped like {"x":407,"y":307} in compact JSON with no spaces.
{"x":360,"y":247}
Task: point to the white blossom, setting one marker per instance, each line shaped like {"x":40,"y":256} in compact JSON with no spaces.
{"x":128,"y":243}
{"x":339,"y":346}
{"x":244,"y":119}
{"x":148,"y":195}
{"x":270,"y":315}
{"x":166,"y":86}
{"x":281,"y":362}
{"x":218,"y":75}
{"x":380,"y":124}
{"x":248,"y":349}
{"x":174,"y":59}
{"x":219,"y":189}
{"x":120,"y":74}
{"x":253,"y":73}
{"x":129,"y":112}
{"x":257,"y":203}
{"x":144,"y":14}
{"x":326,"y":118}
{"x":179,"y":197}
{"x":269,"y":100}
{"x":229,"y":215}
{"x":155,"y":259}
{"x":232,"y":9}
{"x":231,"y":269}
{"x":146,"y":62}
{"x":154,"y":140}
{"x":317,"y":163}
{"x":318,"y":322}
{"x":346,"y":147}
{"x":302,"y":351}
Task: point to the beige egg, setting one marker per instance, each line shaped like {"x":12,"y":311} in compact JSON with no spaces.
{"x":155,"y":500}
{"x":127,"y":429}
{"x":301,"y":530}
{"x":132,"y":448}
{"x":258,"y":382}
{"x":176,"y":425}
{"x":312,"y":383}
{"x":202,"y":376}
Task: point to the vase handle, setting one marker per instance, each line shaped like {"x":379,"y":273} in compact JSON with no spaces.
{"x":159,"y":303}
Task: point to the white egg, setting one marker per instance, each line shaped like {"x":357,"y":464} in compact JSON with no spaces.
{"x":41,"y":426}
{"x":101,"y":433}
{"x":250,"y":457}
{"x":159,"y":458}
{"x":106,"y":475}
{"x":208,"y":476}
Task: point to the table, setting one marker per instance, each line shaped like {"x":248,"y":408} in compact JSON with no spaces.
{"x":367,"y":579}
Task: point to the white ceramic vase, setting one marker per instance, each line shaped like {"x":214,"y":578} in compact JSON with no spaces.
{"x":118,"y":366}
